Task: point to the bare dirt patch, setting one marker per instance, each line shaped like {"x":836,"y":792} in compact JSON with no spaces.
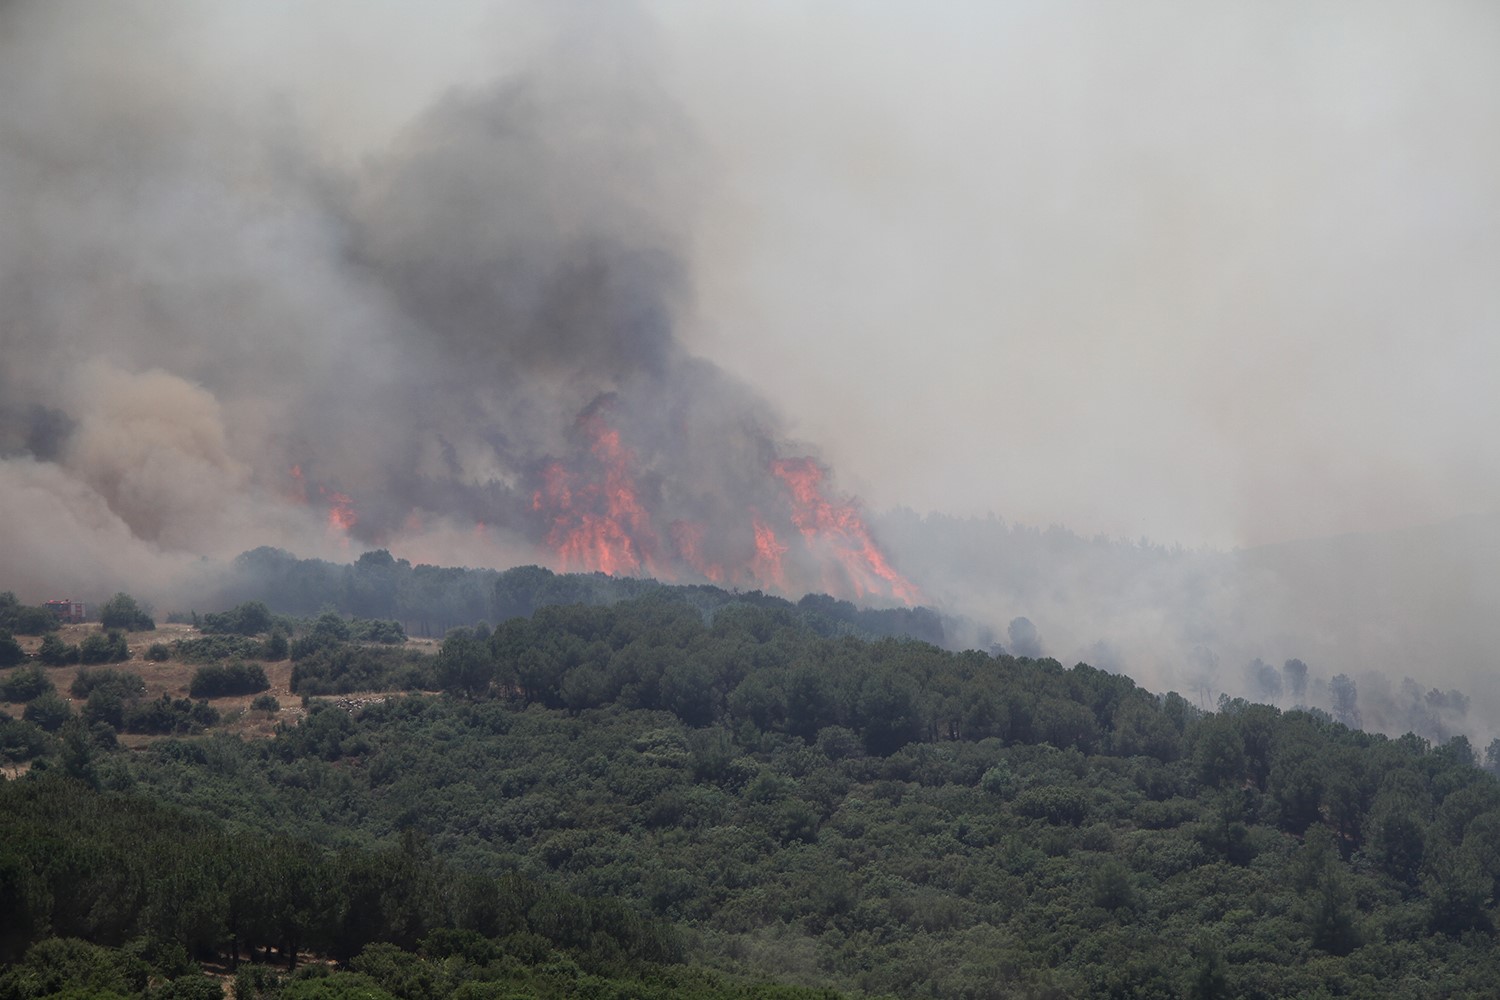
{"x":174,"y":677}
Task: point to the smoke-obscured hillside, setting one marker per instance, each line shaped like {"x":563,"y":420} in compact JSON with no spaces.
{"x":1405,"y":614}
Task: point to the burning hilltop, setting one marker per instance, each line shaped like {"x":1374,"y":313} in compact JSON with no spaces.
{"x":465,"y":347}
{"x":597,"y":509}
{"x":601,"y":509}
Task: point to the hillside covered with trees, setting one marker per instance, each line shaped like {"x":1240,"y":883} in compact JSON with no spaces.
{"x":689,"y":790}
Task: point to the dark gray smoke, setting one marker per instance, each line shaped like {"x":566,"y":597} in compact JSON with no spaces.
{"x":463,"y":348}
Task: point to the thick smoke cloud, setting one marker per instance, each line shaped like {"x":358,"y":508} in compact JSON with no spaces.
{"x":463,"y":347}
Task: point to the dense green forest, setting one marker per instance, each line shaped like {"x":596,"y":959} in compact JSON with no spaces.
{"x":683,"y":791}
{"x":429,"y":600}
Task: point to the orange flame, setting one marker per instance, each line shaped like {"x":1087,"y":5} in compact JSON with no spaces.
{"x":768,"y":552}
{"x":341,"y":513}
{"x":839,"y":528}
{"x":342,"y":517}
{"x":597,"y":521}
{"x":688,"y":537}
{"x":597,"y":525}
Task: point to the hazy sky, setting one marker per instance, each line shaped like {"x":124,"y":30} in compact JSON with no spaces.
{"x":1217,"y":274}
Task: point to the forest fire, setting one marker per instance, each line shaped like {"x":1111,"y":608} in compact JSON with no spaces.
{"x":598,"y":523}
{"x":688,"y":536}
{"x":839,"y":528}
{"x":603,"y":508}
{"x":598,"y":518}
{"x":342,"y":516}
{"x":768,"y":554}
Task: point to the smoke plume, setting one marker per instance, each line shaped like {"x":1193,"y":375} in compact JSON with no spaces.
{"x":463,"y":347}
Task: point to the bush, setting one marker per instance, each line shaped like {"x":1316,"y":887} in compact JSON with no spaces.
{"x":343,"y":669}
{"x":170,"y":715}
{"x":250,"y":618}
{"x":121,"y":683}
{"x":102,"y":647}
{"x":266,"y":703}
{"x":21,"y":740}
{"x":329,"y":631}
{"x":193,"y":986}
{"x":213,"y":648}
{"x":24,"y":619}
{"x":1058,"y":806}
{"x":55,"y":652}
{"x":275,"y":647}
{"x":257,"y":982}
{"x":335,"y":986}
{"x":33,"y":621}
{"x":122,"y":612}
{"x":24,"y":685}
{"x":159,"y":652}
{"x":371,"y":630}
{"x":225,"y":681}
{"x":11,"y":652}
{"x":104,"y":706}
{"x":69,"y":965}
{"x":49,"y":711}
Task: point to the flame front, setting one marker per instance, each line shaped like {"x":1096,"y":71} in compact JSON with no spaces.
{"x":598,"y":524}
{"x":342,"y":517}
{"x":598,"y":518}
{"x":839,"y":528}
{"x":768,"y":554}
{"x":688,"y":537}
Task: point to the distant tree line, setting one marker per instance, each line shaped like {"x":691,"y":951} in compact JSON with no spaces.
{"x":430,"y":600}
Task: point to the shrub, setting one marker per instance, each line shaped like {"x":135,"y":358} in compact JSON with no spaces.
{"x":21,"y":740}
{"x":11,"y":652}
{"x":266,"y":703}
{"x":49,"y":711}
{"x":256,"y":982}
{"x":24,"y":685}
{"x":104,"y":705}
{"x":212,"y":648}
{"x":103,"y":647}
{"x":1055,"y":805}
{"x":159,"y":652}
{"x":225,"y":681}
{"x":329,"y":631}
{"x":275,"y":647}
{"x":122,"y":612}
{"x":193,"y":986}
{"x":55,"y":652}
{"x":122,"y":683}
{"x":371,"y":630}
{"x":170,"y":715}
{"x":27,"y":620}
{"x":343,"y":669}
{"x":250,"y":618}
